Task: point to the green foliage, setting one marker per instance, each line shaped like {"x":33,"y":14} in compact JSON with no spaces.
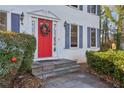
{"x":119,"y":10}
{"x":6,"y":65}
{"x":105,"y":41}
{"x":117,"y":39}
{"x":28,"y":54}
{"x":108,"y":13}
{"x":109,"y":63}
{"x":20,"y":46}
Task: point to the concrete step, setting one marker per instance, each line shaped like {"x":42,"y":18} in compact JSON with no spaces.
{"x":48,"y":75}
{"x":40,"y":67}
{"x":54,"y":68}
{"x":52,"y":62}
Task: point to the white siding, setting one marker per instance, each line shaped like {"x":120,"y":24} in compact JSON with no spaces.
{"x":65,"y":13}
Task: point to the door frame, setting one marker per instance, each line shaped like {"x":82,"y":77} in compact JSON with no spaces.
{"x":54,"y":54}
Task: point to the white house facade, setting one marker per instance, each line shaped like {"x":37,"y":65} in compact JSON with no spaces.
{"x":60,"y":31}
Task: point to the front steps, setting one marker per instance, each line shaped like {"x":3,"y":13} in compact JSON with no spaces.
{"x":51,"y":68}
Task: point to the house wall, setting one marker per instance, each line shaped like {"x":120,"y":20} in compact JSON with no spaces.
{"x":74,"y":16}
{"x":65,"y":13}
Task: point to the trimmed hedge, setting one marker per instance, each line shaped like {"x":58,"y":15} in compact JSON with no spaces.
{"x":109,"y":63}
{"x":19,"y":46}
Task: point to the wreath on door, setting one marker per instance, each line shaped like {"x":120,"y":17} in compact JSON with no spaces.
{"x":44,"y":28}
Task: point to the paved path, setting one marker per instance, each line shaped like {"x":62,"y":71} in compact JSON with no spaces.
{"x":77,"y":80}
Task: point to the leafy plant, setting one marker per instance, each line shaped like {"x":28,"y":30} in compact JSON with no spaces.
{"x":109,"y":63}
{"x":119,"y":10}
{"x":16,"y":54}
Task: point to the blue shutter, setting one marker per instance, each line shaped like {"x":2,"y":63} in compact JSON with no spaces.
{"x":67,"y":36}
{"x":15,"y":22}
{"x":81,"y":7}
{"x":88,"y":37}
{"x":80,"y":36}
{"x":98,"y":9}
{"x":88,"y":8}
{"x":98,"y":38}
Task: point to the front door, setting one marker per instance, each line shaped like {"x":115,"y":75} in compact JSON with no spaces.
{"x":44,"y":38}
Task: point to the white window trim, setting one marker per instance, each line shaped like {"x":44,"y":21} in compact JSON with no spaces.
{"x":93,"y":13}
{"x":95,"y":38}
{"x":77,"y":37}
{"x":33,"y":26}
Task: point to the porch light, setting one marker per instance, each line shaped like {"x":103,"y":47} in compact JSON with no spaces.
{"x":22,"y":18}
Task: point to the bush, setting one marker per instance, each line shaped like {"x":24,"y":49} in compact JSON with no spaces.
{"x":16,"y":54}
{"x":28,"y":54}
{"x":109,"y":63}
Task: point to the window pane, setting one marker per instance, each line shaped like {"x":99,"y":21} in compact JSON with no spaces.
{"x":3,"y":21}
{"x":76,"y":6}
{"x":80,"y":7}
{"x":73,"y":35}
{"x":33,"y":27}
{"x":93,"y":37}
{"x":93,"y":8}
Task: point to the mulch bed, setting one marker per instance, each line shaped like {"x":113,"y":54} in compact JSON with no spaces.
{"x":27,"y":81}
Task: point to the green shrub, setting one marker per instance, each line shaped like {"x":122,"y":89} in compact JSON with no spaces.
{"x":109,"y":63}
{"x":28,"y":54}
{"x":19,"y":46}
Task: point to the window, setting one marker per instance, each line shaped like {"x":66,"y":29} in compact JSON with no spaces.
{"x":3,"y":21}
{"x":93,"y":37}
{"x":81,"y":7}
{"x":91,"y":9}
{"x":76,"y":6}
{"x":33,"y":27}
{"x":74,"y":35}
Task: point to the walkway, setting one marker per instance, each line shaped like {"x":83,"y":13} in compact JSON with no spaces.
{"x":77,"y":80}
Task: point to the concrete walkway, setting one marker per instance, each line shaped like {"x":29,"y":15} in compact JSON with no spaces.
{"x":77,"y":80}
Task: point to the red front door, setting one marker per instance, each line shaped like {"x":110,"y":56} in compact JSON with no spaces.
{"x":44,"y":38}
